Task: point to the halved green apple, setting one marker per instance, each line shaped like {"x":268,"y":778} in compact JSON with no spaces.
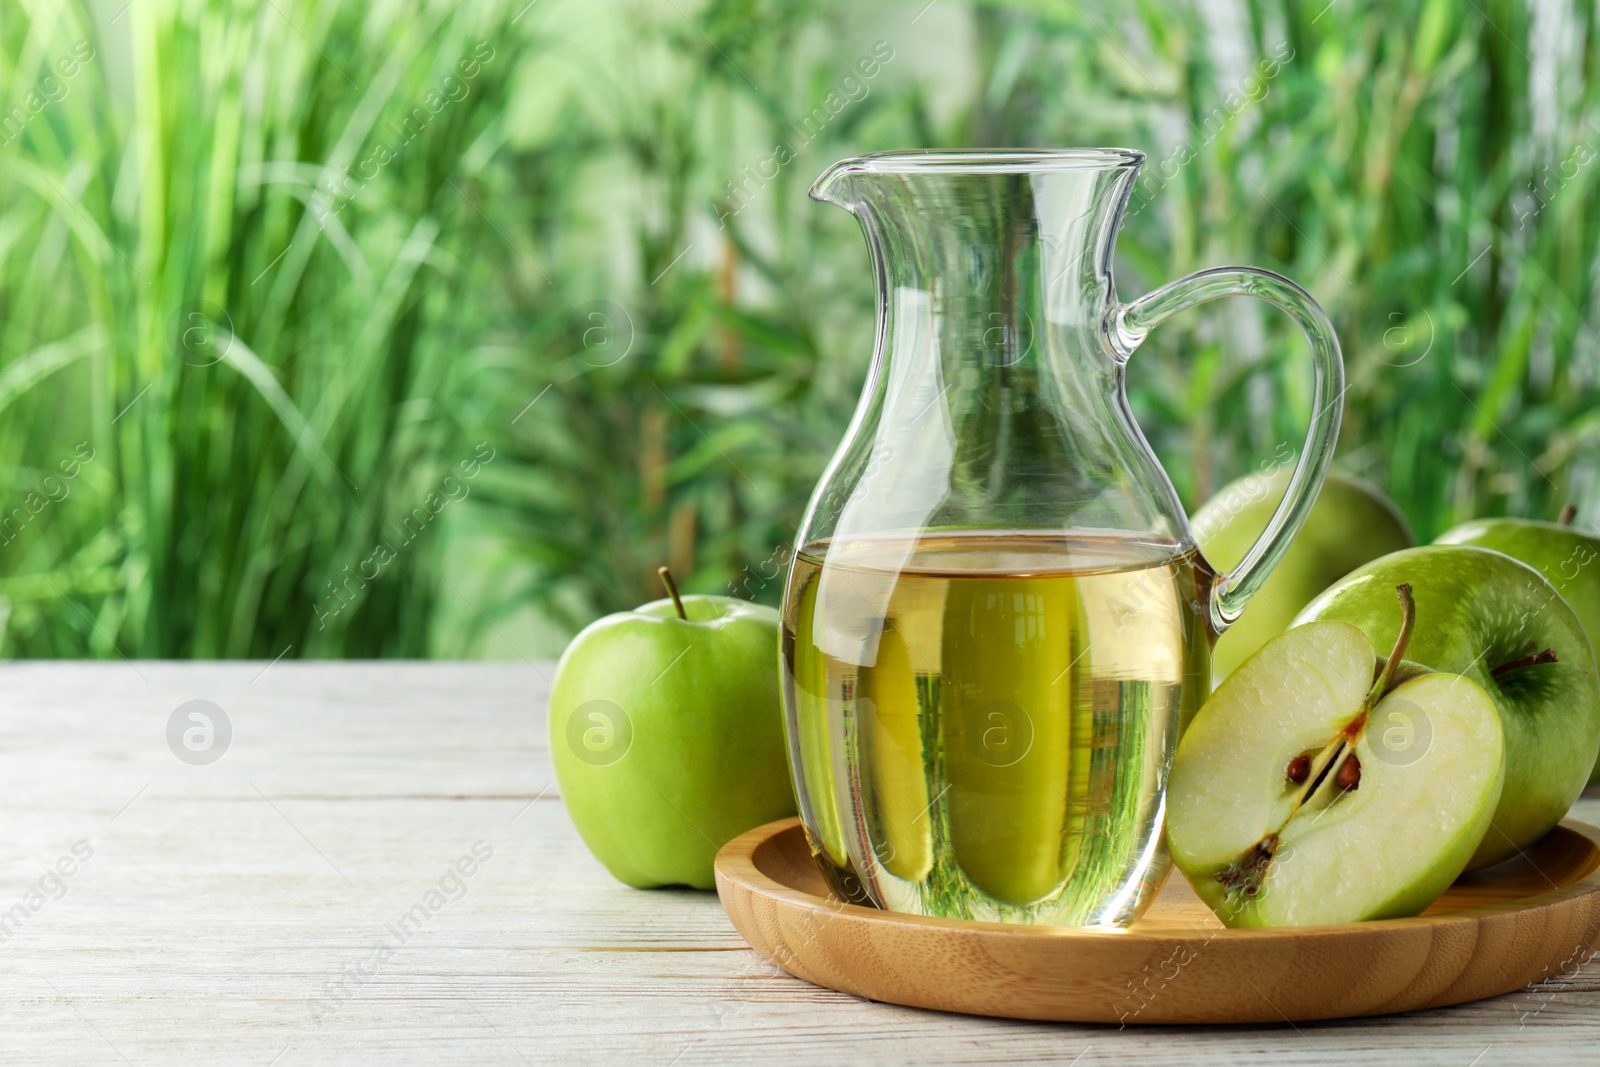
{"x":1305,"y":792}
{"x":1498,"y":622}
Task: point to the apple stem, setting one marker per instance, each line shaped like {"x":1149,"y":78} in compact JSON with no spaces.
{"x":672,"y":590}
{"x":1408,"y":621}
{"x":1568,"y":513}
{"x":1547,"y":656}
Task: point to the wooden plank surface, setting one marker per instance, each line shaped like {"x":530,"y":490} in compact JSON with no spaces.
{"x":255,"y":910}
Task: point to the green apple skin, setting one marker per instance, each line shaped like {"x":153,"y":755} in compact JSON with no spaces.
{"x":1351,"y":523}
{"x":705,"y":761}
{"x":1560,"y":553}
{"x":1384,"y":850}
{"x":1477,"y":609}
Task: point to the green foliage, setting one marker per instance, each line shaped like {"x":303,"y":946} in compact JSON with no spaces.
{"x":601,"y":262}
{"x":239,"y":264}
{"x":1414,"y":164}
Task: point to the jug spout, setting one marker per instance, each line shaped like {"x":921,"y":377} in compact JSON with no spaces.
{"x":835,"y":185}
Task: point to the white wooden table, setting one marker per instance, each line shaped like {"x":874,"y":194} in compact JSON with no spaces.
{"x":252,"y":910}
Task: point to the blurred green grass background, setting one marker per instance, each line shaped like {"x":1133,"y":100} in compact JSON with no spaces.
{"x":416,"y":328}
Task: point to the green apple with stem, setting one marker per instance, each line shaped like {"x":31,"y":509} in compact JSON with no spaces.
{"x":1569,"y":559}
{"x":1307,"y":792}
{"x":666,"y":734}
{"x":1499,"y":623}
{"x":1351,"y":523}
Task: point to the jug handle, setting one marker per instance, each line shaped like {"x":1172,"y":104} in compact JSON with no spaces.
{"x":1127,"y":325}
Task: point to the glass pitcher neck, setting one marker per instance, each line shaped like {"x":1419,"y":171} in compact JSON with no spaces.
{"x":995,"y":400}
{"x":1013,"y":241}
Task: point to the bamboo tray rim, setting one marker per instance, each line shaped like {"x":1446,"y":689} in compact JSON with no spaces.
{"x":736,"y":862}
{"x":1493,"y":932}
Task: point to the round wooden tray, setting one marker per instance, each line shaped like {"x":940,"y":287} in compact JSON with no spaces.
{"x":1493,"y":932}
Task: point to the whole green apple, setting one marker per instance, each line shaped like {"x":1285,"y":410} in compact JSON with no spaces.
{"x":1350,"y":524}
{"x":1498,"y":623}
{"x":1557,"y":551}
{"x":667,"y":735}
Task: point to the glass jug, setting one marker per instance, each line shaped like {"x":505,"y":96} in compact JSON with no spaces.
{"x":997,"y":622}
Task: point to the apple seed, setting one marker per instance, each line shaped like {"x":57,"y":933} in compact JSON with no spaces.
{"x":1299,"y":769}
{"x":1349,"y":776}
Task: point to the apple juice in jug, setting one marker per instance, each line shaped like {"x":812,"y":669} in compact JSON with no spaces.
{"x":982,"y":716}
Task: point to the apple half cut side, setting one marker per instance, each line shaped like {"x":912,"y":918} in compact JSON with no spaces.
{"x":1305,"y":792}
